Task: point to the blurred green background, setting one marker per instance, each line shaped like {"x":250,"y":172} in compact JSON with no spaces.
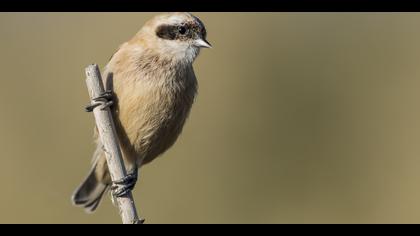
{"x":300,"y":118}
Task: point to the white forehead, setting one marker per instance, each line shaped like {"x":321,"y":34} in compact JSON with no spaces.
{"x":178,"y":18}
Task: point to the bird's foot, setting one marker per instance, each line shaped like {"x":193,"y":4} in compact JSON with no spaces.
{"x":124,"y":186}
{"x":105,"y":100}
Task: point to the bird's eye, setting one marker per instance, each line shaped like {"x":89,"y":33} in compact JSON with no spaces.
{"x":182,"y":30}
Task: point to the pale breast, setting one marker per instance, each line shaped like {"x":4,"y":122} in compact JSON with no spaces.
{"x":152,"y":107}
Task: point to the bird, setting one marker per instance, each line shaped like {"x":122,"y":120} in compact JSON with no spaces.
{"x":151,"y":86}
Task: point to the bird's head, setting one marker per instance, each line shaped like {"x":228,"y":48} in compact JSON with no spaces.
{"x":178,"y":35}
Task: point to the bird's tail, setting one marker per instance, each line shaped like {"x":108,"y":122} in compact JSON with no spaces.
{"x":89,"y":194}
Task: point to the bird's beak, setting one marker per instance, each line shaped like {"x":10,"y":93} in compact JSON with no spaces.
{"x":202,"y":43}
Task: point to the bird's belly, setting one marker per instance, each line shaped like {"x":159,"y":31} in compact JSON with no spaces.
{"x":149,"y":128}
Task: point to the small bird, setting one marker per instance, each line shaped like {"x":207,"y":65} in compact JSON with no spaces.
{"x":151,"y":86}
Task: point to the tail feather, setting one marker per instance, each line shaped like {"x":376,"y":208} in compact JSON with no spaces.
{"x":89,"y":194}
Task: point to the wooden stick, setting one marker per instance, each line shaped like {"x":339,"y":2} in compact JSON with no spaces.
{"x":109,"y":139}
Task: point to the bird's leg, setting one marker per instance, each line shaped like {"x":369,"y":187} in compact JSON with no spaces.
{"x":105,"y":100}
{"x":123,"y":186}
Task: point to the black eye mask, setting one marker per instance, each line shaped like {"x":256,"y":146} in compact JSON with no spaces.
{"x":179,"y":32}
{"x":167,"y":32}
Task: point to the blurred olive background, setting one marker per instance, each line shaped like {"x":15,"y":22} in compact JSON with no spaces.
{"x":300,"y":118}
